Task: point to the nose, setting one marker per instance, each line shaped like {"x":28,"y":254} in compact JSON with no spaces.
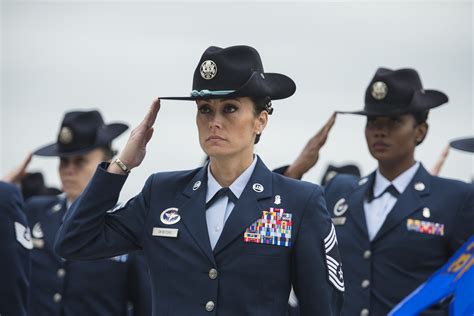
{"x":67,"y":167}
{"x":215,"y":121}
{"x":380,"y":129}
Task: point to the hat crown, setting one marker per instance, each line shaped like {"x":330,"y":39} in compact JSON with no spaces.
{"x":234,"y":66}
{"x":400,"y":86}
{"x":79,"y":130}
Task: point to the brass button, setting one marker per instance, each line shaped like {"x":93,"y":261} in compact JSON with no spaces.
{"x":61,"y":273}
{"x":367,"y":254}
{"x":364,"y":312}
{"x":213,"y":274}
{"x":57,"y":298}
{"x":210,"y":306}
{"x":365,"y":284}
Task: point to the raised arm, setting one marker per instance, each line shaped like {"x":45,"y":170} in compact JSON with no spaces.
{"x":310,"y":154}
{"x":94,"y":227}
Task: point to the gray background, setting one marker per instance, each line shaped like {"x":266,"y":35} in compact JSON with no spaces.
{"x":119,"y":56}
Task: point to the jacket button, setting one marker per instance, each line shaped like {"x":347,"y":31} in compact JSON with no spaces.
{"x":213,"y":274}
{"x":61,"y":273}
{"x":364,"y":312}
{"x":365,"y":284}
{"x":57,"y":298}
{"x":210,"y":306}
{"x":367,"y":254}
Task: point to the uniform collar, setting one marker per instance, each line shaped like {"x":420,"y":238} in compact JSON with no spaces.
{"x":400,"y":183}
{"x":237,"y":187}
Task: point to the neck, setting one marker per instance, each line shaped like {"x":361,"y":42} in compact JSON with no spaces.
{"x":70,"y":198}
{"x":392,"y":169}
{"x":227,"y":170}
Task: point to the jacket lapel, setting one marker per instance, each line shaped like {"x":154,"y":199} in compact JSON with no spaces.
{"x":193,"y":211}
{"x":356,"y":203}
{"x":52,"y":221}
{"x":248,"y":208}
{"x":409,"y":202}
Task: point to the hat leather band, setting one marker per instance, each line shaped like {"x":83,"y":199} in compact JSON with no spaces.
{"x":207,"y":93}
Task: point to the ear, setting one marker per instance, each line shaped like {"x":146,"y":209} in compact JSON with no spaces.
{"x":420,"y":132}
{"x":261,"y":122}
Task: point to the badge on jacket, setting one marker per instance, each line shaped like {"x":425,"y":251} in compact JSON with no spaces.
{"x":23,"y":235}
{"x":333,"y":260}
{"x":273,"y":228}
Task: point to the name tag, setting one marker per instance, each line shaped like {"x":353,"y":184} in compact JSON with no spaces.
{"x":165,"y":232}
{"x":339,"y":220}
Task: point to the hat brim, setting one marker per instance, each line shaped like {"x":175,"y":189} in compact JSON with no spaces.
{"x":274,"y":85}
{"x":420,"y":102}
{"x":104,"y":137}
{"x":464,"y":144}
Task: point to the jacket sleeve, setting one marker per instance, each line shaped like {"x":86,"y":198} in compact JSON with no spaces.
{"x":94,"y":229}
{"x":139,"y":285}
{"x":316,"y":265}
{"x":15,"y":245}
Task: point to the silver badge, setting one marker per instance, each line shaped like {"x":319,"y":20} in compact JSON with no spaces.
{"x":37,"y":231}
{"x":56,"y":207}
{"x":196,"y":185}
{"x":426,"y":212}
{"x":65,"y":135}
{"x":170,"y":216}
{"x":277,"y":200}
{"x":363,"y":181}
{"x":340,"y":207}
{"x":379,"y":90}
{"x":257,"y":187}
{"x":208,"y":69}
{"x":419,"y":186}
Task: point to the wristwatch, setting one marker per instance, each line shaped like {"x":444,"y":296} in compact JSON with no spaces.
{"x":121,"y":165}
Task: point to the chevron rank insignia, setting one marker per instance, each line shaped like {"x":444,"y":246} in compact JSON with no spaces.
{"x":273,"y":228}
{"x":333,"y":260}
{"x":23,"y":235}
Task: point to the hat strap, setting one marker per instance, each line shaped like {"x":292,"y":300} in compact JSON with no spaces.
{"x":207,"y":93}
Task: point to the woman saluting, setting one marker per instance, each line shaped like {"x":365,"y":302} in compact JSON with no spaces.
{"x":229,"y":238}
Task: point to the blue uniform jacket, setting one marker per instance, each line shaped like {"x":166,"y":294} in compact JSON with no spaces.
{"x":15,"y":245}
{"x":429,"y":222}
{"x":67,"y":287}
{"x":188,"y":277}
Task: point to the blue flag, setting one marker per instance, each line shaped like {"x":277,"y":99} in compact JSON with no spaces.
{"x":455,"y":278}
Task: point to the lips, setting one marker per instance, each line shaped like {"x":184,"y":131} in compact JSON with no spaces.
{"x":380,"y":145}
{"x":211,"y":138}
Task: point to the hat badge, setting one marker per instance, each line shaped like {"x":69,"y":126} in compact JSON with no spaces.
{"x":379,"y":90}
{"x":65,"y":135}
{"x":208,"y":69}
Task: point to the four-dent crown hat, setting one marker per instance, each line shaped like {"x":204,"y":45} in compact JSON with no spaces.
{"x":236,"y":71}
{"x":398,"y":92}
{"x":81,"y":132}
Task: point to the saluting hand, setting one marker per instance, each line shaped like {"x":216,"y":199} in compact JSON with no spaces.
{"x":310,"y":154}
{"x":16,"y":175}
{"x":440,"y":162}
{"x":134,"y":151}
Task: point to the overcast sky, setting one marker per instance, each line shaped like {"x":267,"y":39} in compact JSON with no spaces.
{"x":119,"y":56}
